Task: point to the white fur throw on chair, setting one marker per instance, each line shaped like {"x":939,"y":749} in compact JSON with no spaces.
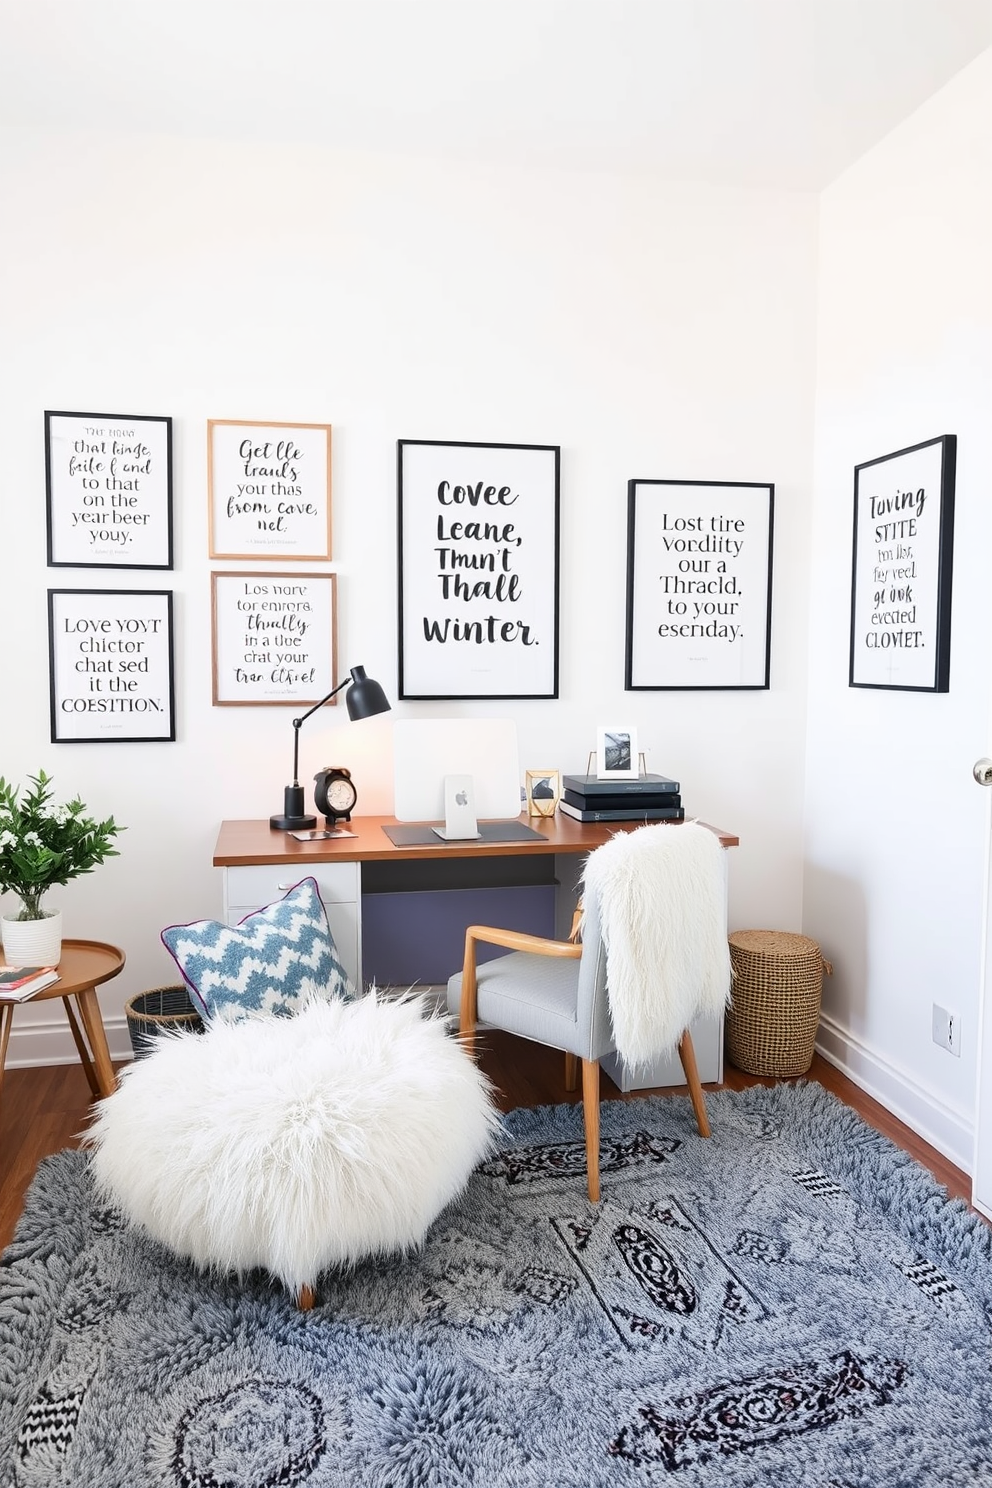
{"x":662,"y":904}
{"x":295,"y":1143}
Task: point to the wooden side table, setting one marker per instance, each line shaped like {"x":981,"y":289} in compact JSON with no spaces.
{"x":83,"y":966}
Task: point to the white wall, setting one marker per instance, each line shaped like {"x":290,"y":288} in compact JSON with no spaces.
{"x":650,"y":331}
{"x":896,"y":829}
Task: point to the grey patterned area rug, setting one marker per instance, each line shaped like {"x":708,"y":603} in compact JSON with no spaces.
{"x":793,"y":1302}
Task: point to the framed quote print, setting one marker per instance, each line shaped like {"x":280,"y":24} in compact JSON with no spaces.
{"x":274,"y":637}
{"x":110,"y":666}
{"x":699,"y":581}
{"x":901,"y":570}
{"x":108,"y":478}
{"x":269,"y":489}
{"x":478,"y":570}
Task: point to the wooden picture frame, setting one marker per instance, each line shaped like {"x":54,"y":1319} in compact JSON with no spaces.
{"x":699,"y":584}
{"x":543,"y":791}
{"x":108,"y":486}
{"x":901,"y":568}
{"x":111,"y":666}
{"x":478,"y":569}
{"x":269,"y":490}
{"x":274,"y":638}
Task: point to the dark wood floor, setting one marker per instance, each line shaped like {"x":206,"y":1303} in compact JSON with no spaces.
{"x":44,"y":1110}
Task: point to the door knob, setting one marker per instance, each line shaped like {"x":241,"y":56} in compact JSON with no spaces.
{"x":982,"y":771}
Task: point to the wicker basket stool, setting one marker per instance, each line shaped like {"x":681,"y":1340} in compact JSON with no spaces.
{"x":775,"y":1008}
{"x":150,"y":1014}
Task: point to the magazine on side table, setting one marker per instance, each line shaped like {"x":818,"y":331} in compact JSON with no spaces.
{"x":18,"y":983}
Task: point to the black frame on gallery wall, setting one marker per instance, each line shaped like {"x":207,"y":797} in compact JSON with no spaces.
{"x":269,"y":490}
{"x":901,"y":568}
{"x":699,"y":585}
{"x":274,"y":638}
{"x":110,"y":666}
{"x":477,"y":569}
{"x":108,"y":484}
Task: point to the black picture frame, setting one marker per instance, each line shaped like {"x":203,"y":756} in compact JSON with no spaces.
{"x":108,"y":487}
{"x":699,"y":585}
{"x":902,"y":568}
{"x":110,"y":666}
{"x":477,"y":569}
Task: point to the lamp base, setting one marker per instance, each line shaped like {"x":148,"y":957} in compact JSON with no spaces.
{"x":293,"y":817}
{"x":292,"y":823}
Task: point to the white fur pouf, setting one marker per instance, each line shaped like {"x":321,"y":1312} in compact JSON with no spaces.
{"x":295,"y":1144}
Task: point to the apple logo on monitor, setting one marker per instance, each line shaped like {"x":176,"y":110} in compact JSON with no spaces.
{"x":461,"y":798}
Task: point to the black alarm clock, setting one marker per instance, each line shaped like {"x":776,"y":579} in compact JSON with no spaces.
{"x":334,"y":793}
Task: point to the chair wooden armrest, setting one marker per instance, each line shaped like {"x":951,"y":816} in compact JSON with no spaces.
{"x":512,"y":940}
{"x":519,"y":940}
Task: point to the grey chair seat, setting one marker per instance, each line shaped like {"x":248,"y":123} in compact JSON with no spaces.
{"x":529,"y":995}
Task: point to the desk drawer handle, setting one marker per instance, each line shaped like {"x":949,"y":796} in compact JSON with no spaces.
{"x":285,"y":888}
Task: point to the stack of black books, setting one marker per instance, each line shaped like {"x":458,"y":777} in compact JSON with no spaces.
{"x":648,"y":798}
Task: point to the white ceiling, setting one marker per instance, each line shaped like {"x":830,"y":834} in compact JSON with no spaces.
{"x":782,"y":93}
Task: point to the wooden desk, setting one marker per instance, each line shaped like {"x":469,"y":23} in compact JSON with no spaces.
{"x":260,"y":865}
{"x":83,"y":966}
{"x":244,"y":843}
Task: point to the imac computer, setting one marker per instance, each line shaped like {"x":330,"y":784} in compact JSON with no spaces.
{"x":458,"y":772}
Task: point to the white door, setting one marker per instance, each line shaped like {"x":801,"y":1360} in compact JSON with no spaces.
{"x":981,"y":1195}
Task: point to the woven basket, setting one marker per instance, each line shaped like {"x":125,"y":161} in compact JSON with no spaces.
{"x":775,"y":1009}
{"x":150,"y":1014}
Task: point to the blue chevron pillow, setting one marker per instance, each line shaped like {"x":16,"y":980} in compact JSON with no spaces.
{"x":271,"y":963}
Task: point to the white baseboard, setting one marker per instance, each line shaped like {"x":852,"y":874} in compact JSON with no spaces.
{"x":947,"y":1129}
{"x":944,"y":1127}
{"x":50,"y":1041}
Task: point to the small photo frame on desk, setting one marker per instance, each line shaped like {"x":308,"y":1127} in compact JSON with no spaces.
{"x":543,"y":788}
{"x":617,"y":757}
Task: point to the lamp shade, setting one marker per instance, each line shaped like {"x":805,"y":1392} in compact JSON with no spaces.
{"x":365,"y":697}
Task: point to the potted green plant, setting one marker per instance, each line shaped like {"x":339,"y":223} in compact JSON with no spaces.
{"x":42,"y":844}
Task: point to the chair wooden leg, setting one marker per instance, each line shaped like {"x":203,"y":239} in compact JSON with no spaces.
{"x":305,"y":1299}
{"x":590,"y":1115}
{"x":468,"y":1010}
{"x":571,"y":1071}
{"x":687,"y":1054}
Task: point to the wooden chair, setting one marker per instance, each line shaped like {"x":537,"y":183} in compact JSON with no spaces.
{"x":555,"y":993}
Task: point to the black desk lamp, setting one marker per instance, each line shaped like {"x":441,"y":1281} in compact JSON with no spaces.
{"x":364,"y":699}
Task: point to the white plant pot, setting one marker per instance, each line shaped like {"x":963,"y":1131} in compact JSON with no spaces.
{"x":33,"y":942}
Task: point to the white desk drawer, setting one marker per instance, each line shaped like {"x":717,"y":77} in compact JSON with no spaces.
{"x":343,"y":922}
{"x":338,"y":883}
